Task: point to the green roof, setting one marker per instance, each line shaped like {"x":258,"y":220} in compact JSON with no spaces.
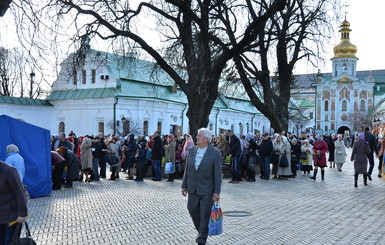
{"x":82,"y":94}
{"x":23,"y":101}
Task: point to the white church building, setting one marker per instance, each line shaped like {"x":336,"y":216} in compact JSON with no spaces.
{"x":117,"y":94}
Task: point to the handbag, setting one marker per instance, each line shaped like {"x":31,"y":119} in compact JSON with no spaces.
{"x":112,"y":159}
{"x":169,"y":168}
{"x":216,"y":220}
{"x":251,"y":164}
{"x":303,"y":156}
{"x":284,"y":163}
{"x":25,"y":240}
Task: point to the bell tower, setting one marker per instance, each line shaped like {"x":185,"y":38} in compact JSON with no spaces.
{"x":344,"y":60}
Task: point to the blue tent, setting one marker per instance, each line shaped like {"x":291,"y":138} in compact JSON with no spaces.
{"x":34,"y":145}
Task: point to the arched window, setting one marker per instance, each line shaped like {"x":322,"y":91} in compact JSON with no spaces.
{"x":101,"y":127}
{"x":362,"y":105}
{"x":160,"y":127}
{"x":344,"y":105}
{"x":61,"y":127}
{"x":126,"y":127}
{"x":335,"y":70}
{"x":145,"y":128}
{"x":326,"y":105}
{"x":311,"y":115}
{"x":326,"y":128}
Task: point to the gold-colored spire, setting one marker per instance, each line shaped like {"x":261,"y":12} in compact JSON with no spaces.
{"x":345,"y":49}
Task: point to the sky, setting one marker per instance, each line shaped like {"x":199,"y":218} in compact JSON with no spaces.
{"x":367,"y":20}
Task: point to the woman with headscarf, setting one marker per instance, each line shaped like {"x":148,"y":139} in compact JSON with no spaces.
{"x":359,"y":156}
{"x":319,"y":148}
{"x":284,"y":149}
{"x":72,"y":163}
{"x":307,"y":164}
{"x":340,"y":152}
{"x":189,"y":143}
{"x":86,"y":158}
{"x":169,"y":153}
{"x":331,"y":148}
{"x":132,"y":149}
{"x":277,"y":144}
{"x":113,"y":148}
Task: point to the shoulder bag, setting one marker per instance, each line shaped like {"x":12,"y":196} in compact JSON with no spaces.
{"x":25,"y":240}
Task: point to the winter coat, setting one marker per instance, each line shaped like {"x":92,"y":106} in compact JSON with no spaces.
{"x":15,"y":160}
{"x":266,"y":148}
{"x":12,"y":197}
{"x":86,"y":154}
{"x":114,"y":149}
{"x":235,"y":146}
{"x":331,"y":148}
{"x":157,"y":149}
{"x":284,"y":148}
{"x":359,"y":156}
{"x":310,"y":152}
{"x":340,"y":152}
{"x":169,"y":152}
{"x":223,"y":145}
{"x":73,"y":164}
{"x":323,"y":148}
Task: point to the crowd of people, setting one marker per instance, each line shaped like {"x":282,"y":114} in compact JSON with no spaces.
{"x":280,"y":156}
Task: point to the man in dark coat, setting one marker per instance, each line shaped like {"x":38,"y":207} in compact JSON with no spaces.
{"x":13,"y":204}
{"x":371,"y":139}
{"x":265,"y":150}
{"x":156,"y":156}
{"x":235,"y":151}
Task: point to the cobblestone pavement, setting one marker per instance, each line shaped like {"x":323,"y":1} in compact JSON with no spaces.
{"x":294,"y":211}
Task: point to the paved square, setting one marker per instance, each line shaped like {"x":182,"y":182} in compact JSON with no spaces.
{"x":294,"y":211}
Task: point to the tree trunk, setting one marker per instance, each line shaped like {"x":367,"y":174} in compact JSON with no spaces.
{"x":199,"y":110}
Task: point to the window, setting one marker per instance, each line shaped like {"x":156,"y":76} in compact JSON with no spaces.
{"x":241,"y":129}
{"x":145,"y":128}
{"x":160,"y":127}
{"x":326,"y":106}
{"x":75,"y":74}
{"x":344,"y":105}
{"x":101,"y":127}
{"x":326,"y":128}
{"x":93,"y":75}
{"x":126,"y":127}
{"x":247,"y":128}
{"x":232,"y":128}
{"x":211,"y":127}
{"x":335,"y":70}
{"x":84,"y":74}
{"x":362,"y":105}
{"x":61,"y":127}
{"x":311,"y":115}
{"x":326,"y":118}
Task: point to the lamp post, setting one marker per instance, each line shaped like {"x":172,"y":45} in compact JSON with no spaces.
{"x":123,"y":125}
{"x":32,"y":74}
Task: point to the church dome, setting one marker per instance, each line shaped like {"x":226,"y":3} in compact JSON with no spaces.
{"x":345,"y":49}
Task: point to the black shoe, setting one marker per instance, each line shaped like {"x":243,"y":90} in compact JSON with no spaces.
{"x":370,"y":177}
{"x":379,"y":176}
{"x":355,"y":185}
{"x":339,"y":170}
{"x":251,"y":180}
{"x":170,"y":180}
{"x":313,"y":178}
{"x":111,"y":179}
{"x":68,"y":186}
{"x":155,"y":179}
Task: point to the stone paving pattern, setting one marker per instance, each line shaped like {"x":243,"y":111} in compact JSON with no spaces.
{"x":294,"y":211}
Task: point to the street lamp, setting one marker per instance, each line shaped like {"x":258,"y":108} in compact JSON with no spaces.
{"x":32,"y":74}
{"x":123,"y":125}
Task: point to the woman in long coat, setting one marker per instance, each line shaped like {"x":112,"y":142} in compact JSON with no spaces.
{"x":359,"y":156}
{"x":307,"y":165}
{"x":331,"y":148}
{"x":169,"y":153}
{"x":284,"y":149}
{"x":113,"y":148}
{"x":72,"y":163}
{"x":319,"y":148}
{"x":340,"y":152}
{"x":86,"y":158}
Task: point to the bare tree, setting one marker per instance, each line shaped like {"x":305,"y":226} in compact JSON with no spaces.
{"x":295,"y":33}
{"x":192,"y":56}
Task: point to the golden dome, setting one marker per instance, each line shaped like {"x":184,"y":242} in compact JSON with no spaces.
{"x":345,"y":49}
